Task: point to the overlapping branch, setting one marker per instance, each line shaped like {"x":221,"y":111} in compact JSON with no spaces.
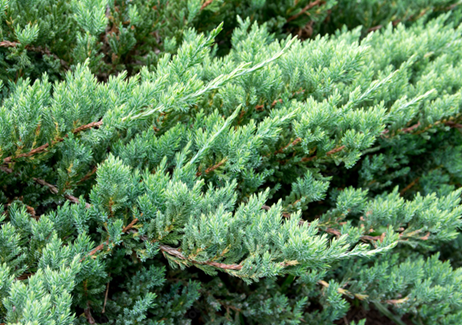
{"x":175,"y":252}
{"x":410,"y":129}
{"x":42,"y":148}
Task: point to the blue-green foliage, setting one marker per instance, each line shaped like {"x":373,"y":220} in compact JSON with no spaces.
{"x":279,"y":183}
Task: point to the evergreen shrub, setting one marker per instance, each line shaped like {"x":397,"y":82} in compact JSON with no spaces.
{"x":154,"y":177}
{"x":54,"y":36}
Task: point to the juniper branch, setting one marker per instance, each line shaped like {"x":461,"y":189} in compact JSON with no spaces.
{"x":408,"y":187}
{"x":55,"y":190}
{"x":206,"y":4}
{"x":101,"y":246}
{"x":216,"y":83}
{"x":42,"y":148}
{"x":305,"y":9}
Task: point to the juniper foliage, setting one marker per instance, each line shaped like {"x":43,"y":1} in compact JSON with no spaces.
{"x":281,"y":182}
{"x":54,"y":36}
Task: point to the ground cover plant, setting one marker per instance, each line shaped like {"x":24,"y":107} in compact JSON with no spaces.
{"x":54,"y":36}
{"x":248,"y":173}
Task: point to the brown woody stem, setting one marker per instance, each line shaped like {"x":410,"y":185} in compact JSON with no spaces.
{"x":293,"y":143}
{"x":306,"y":8}
{"x":46,"y":145}
{"x":212,"y":168}
{"x":335,"y":150}
{"x":206,"y":4}
{"x":55,"y":190}
{"x":174,"y":252}
{"x":404,"y":190}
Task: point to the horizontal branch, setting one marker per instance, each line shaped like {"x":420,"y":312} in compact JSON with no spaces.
{"x":52,"y":187}
{"x":453,"y":124}
{"x":46,"y":145}
{"x":30,"y":153}
{"x":174,"y":252}
{"x":8,"y":44}
{"x":38,"y":49}
{"x":338,"y":149}
{"x":101,"y":246}
{"x":54,"y":190}
{"x":361,"y":296}
{"x":409,"y":129}
{"x":167,"y":249}
{"x":88,"y":126}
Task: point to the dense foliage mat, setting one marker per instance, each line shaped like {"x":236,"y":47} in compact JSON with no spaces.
{"x":154,"y":173}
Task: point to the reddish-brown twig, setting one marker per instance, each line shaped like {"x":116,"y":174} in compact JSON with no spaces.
{"x":408,"y":187}
{"x":52,"y":188}
{"x":366,"y":238}
{"x":105,"y":296}
{"x":87,"y":126}
{"x":174,"y":252}
{"x":453,"y":124}
{"x":411,"y":128}
{"x":88,"y":315}
{"x":375,"y":28}
{"x":333,"y":232}
{"x":306,"y":8}
{"x":46,"y":145}
{"x":95,"y":250}
{"x":212,"y":168}
{"x":24,"y":276}
{"x":130,"y":225}
{"x":260,"y":107}
{"x":55,"y":190}
{"x":293,"y":143}
{"x":101,"y":246}
{"x":39,"y":49}
{"x":331,"y":152}
{"x":30,"y":153}
{"x":8,"y":44}
{"x":31,"y":211}
{"x":6,"y":169}
{"x":205,"y":4}
{"x":88,"y":175}
{"x":427,"y":235}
